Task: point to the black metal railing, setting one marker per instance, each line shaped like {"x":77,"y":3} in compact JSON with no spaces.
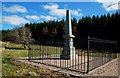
{"x":100,"y":51}
{"x":90,"y":53}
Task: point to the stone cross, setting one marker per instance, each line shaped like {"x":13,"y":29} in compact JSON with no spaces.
{"x":68,"y":52}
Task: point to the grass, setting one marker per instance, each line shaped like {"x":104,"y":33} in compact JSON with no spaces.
{"x":118,"y":55}
{"x":11,"y":53}
{"x":94,"y":53}
{"x":85,"y":53}
{"x":14,"y":68}
{"x":9,"y":45}
{"x":40,"y":50}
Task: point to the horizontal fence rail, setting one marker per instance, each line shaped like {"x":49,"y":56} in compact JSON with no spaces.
{"x":101,"y":51}
{"x":90,"y":53}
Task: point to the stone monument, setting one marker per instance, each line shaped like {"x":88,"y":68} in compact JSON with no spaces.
{"x":68,"y":52}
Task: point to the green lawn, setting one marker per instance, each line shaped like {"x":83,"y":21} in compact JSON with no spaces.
{"x":13,"y":45}
{"x":14,"y":68}
{"x":40,"y":50}
{"x":118,"y":55}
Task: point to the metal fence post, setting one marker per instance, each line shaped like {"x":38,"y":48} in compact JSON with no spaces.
{"x":88,"y":48}
{"x":29,"y":53}
{"x":116,"y":53}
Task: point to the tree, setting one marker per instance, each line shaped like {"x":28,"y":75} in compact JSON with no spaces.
{"x":74,"y":25}
{"x":25,"y":35}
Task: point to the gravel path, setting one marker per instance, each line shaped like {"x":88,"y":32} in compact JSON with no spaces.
{"x":109,"y":69}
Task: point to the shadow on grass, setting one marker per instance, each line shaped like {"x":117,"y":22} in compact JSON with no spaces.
{"x":15,"y":48}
